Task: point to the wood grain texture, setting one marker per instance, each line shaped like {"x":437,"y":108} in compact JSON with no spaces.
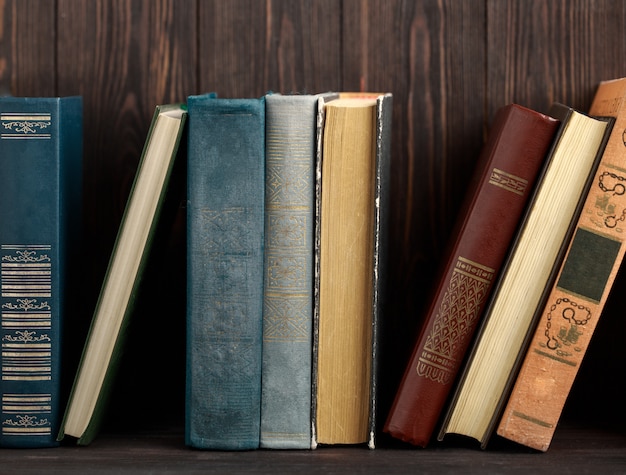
{"x":544,"y":51}
{"x":249,"y":47}
{"x":27,"y":48}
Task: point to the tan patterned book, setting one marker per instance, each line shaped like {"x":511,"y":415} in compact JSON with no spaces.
{"x":575,"y":304}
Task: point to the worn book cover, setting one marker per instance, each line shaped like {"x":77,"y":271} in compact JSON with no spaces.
{"x":40,"y":208}
{"x":575,"y":303}
{"x":225,"y":241}
{"x":503,"y":181}
{"x":290,"y":144}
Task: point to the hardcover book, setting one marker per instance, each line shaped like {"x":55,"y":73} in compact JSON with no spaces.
{"x":503,"y":181}
{"x":225,"y":239}
{"x":40,"y":207}
{"x":352,"y":190}
{"x":535,"y":256}
{"x":122,"y":280}
{"x":576,"y":300}
{"x":290,"y":144}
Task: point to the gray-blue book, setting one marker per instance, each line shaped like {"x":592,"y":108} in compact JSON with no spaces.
{"x":290,"y":145}
{"x":40,"y":210}
{"x":225,"y":220}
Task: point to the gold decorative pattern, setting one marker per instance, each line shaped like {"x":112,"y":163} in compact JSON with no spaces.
{"x":25,"y":126}
{"x":26,"y":279}
{"x":26,"y":322}
{"x":459,"y":308}
{"x":26,"y":414}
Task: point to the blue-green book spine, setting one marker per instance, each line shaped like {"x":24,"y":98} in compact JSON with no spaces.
{"x":226,"y":188}
{"x":40,"y":209}
{"x":288,"y":300}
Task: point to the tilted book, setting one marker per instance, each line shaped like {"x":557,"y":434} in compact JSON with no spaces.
{"x":226,"y":182}
{"x":503,"y":181}
{"x":575,"y":303}
{"x":131,"y":250}
{"x":290,"y":144}
{"x":529,"y":270}
{"x":352,"y":192}
{"x":40,"y":208}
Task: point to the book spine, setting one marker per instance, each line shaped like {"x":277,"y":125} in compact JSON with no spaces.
{"x":384,"y":122}
{"x":576,"y":300}
{"x":226,"y":180}
{"x":41,"y":147}
{"x":344,"y":266}
{"x":503,"y":181}
{"x":288,"y":297}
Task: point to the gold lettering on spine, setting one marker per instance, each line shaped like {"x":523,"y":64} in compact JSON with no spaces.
{"x":508,"y":182}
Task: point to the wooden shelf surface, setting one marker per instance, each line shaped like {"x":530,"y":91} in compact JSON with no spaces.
{"x":573,"y":450}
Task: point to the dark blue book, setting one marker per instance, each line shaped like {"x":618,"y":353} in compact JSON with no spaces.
{"x":40,"y":209}
{"x":226,"y":180}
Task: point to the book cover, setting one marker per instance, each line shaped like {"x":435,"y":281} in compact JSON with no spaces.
{"x":225,"y":240}
{"x":290,"y":144}
{"x":40,"y":208}
{"x":131,"y":251}
{"x":502,"y":183}
{"x":530,"y":267}
{"x":576,"y":300}
{"x":350,"y":267}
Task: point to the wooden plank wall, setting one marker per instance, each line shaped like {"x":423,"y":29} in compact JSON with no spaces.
{"x":449,"y":63}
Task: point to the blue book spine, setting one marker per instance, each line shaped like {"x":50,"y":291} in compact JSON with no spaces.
{"x":288,"y":300}
{"x":40,"y":209}
{"x":226,"y":179}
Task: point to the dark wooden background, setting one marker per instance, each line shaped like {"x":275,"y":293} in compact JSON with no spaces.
{"x":449,"y":63}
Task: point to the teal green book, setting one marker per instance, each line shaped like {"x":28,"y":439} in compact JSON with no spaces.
{"x":40,"y":210}
{"x":290,"y":151}
{"x":225,"y":240}
{"x":132,"y":248}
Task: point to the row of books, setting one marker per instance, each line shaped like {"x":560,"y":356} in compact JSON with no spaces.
{"x":529,"y":268}
{"x":286,"y":198}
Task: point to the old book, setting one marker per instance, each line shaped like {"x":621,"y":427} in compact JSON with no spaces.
{"x":536,"y":252}
{"x":503,"y":181}
{"x":290,"y":144}
{"x":225,"y":239}
{"x":40,"y":208}
{"x":105,"y":339}
{"x":575,"y":303}
{"x":350,"y":255}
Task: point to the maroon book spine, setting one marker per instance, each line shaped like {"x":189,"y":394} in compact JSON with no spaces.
{"x":508,"y":166}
